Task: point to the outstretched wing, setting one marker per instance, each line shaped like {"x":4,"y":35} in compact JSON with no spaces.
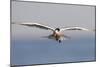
{"x":75,"y":28}
{"x":36,"y":25}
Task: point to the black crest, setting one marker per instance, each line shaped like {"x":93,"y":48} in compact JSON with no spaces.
{"x":57,"y":29}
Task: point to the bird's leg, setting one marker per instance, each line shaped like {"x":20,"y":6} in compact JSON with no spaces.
{"x":59,"y":41}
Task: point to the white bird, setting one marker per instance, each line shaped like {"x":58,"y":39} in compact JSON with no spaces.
{"x":57,"y":32}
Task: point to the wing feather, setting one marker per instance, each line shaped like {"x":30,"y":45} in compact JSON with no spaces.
{"x":36,"y":25}
{"x":75,"y":28}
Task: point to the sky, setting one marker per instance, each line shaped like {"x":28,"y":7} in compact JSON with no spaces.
{"x":27,"y":44}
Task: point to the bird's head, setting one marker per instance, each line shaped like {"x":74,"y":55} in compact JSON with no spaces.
{"x":57,"y":29}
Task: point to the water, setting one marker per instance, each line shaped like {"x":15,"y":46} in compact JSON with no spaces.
{"x":42,"y":51}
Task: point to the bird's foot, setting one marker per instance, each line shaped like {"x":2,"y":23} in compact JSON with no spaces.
{"x":59,"y":41}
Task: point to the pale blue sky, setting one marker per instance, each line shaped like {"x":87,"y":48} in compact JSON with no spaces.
{"x":54,"y":15}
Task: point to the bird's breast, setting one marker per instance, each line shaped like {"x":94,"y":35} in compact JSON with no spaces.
{"x":57,"y":34}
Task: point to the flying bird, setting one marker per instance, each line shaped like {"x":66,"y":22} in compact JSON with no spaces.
{"x":57,"y":32}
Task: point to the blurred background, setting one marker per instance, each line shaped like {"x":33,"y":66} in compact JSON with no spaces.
{"x":27,"y":44}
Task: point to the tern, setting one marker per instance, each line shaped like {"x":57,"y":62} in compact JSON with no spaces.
{"x":57,"y":32}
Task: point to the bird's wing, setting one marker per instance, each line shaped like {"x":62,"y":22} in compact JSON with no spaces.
{"x":36,"y":25}
{"x":75,"y":28}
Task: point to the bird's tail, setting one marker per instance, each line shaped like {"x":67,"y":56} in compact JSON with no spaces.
{"x":49,"y":37}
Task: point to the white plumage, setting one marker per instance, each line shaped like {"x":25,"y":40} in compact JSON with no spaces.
{"x":57,"y":33}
